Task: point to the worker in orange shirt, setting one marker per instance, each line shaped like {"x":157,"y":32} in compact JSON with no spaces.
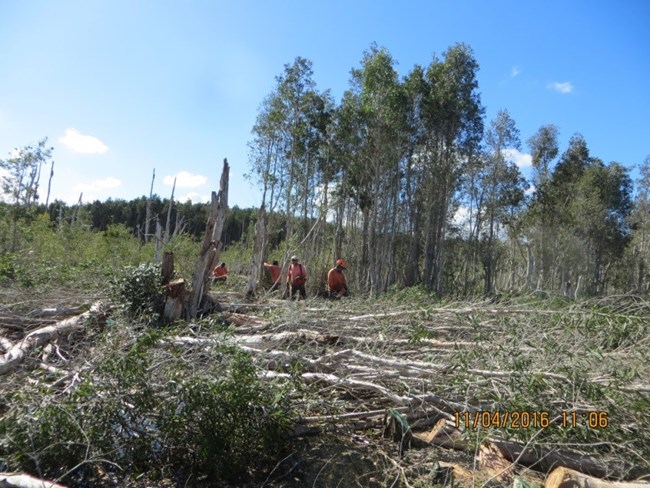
{"x":337,"y":286}
{"x":296,"y":278}
{"x":275,"y":271}
{"x":220,"y":273}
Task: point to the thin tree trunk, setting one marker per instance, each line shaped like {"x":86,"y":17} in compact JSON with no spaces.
{"x":49,"y":186}
{"x":169,"y":214}
{"x":259,"y":250}
{"x":75,"y":211}
{"x":148,"y":209}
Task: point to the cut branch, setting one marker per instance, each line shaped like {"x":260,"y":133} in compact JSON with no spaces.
{"x":16,"y":480}
{"x":43,"y":336}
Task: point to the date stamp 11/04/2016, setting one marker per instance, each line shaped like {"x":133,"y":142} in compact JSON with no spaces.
{"x":515,"y":419}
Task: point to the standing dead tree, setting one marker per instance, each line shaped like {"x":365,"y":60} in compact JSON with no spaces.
{"x":148,"y":208}
{"x":211,"y":245}
{"x":259,"y":250}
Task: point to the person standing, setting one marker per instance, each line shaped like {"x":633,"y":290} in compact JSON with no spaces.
{"x":337,"y":285}
{"x":275,"y":271}
{"x":296,"y":278}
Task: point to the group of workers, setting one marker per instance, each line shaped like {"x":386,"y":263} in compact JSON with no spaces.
{"x":337,"y":286}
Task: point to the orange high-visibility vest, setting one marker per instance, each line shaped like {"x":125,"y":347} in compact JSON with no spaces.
{"x":296,"y":274}
{"x":336,"y":281}
{"x":275,"y":271}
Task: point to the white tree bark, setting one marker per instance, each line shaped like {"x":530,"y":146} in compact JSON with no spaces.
{"x":40,"y":337}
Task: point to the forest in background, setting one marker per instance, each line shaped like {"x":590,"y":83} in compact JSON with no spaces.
{"x":406,"y":180}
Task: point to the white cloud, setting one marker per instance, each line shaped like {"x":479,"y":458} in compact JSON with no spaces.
{"x":515,"y":71}
{"x":107,"y":183}
{"x":194,"y":197}
{"x":461,"y":216}
{"x":461,"y":219}
{"x":185,"y":180}
{"x":564,"y":87}
{"x":81,"y":143}
{"x":531,"y":189}
{"x":520,"y":159}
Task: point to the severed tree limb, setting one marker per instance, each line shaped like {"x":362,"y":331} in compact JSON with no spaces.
{"x":40,"y":337}
{"x":5,"y":344}
{"x":17,"y":480}
{"x":57,"y":311}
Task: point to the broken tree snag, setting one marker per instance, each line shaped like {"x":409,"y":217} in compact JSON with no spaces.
{"x":210,"y":247}
{"x":167,"y":270}
{"x":16,"y":480}
{"x":259,"y":247}
{"x":40,"y":337}
{"x":175,"y":295}
{"x":568,"y":478}
{"x":173,"y":301}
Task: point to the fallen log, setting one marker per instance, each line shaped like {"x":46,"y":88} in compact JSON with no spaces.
{"x":40,"y":337}
{"x":57,"y":311}
{"x":569,"y":478}
{"x":240,"y":320}
{"x":17,"y":480}
{"x":545,"y":459}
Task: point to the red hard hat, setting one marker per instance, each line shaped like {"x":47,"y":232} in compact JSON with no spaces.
{"x":341,"y":263}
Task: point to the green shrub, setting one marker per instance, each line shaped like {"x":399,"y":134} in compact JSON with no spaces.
{"x":150,"y":410}
{"x":137,"y":289}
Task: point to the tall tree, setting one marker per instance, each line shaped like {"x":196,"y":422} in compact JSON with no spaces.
{"x":500,"y":181}
{"x":640,"y":221}
{"x":374,"y":172}
{"x":544,"y":149}
{"x":556,"y":199}
{"x":601,"y":206}
{"x":452,"y":116}
{"x":21,"y":181}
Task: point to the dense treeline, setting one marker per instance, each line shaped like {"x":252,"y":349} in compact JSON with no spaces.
{"x":421,"y":190}
{"x":187,"y":217}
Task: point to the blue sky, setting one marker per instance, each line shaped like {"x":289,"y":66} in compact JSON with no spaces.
{"x":122,"y":87}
